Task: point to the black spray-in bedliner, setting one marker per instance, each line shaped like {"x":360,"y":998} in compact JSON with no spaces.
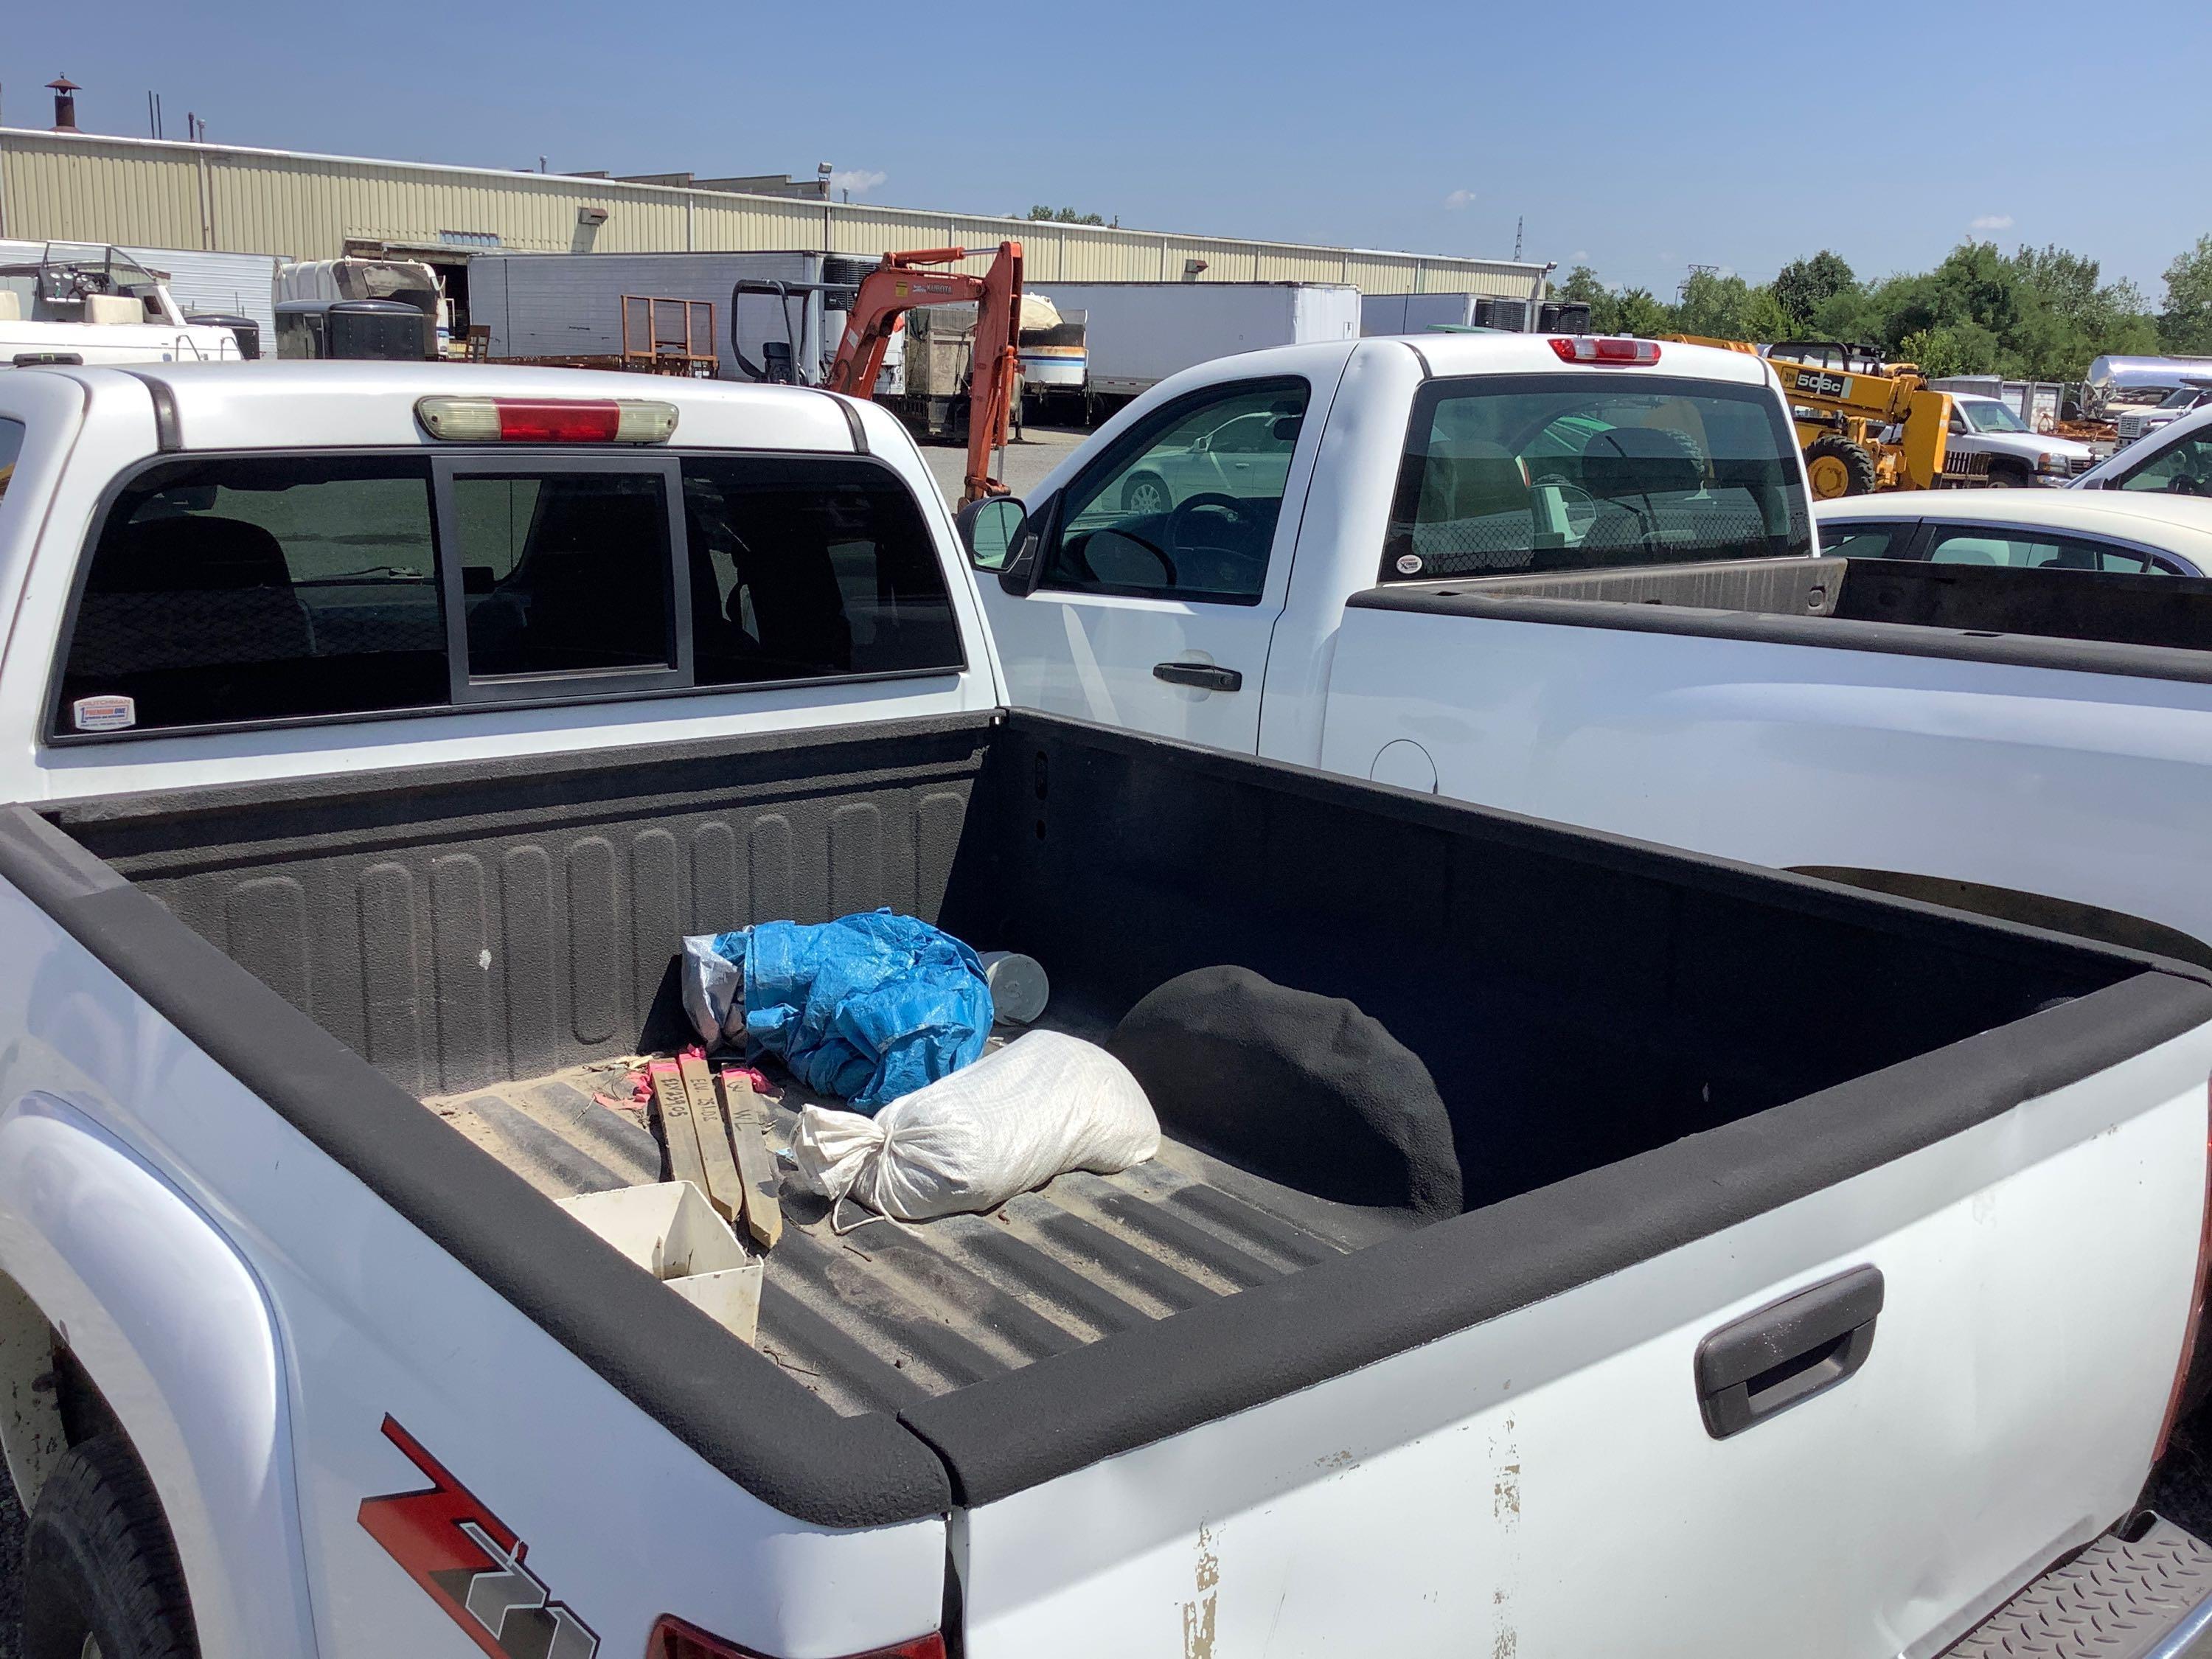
{"x":1635,"y":1046}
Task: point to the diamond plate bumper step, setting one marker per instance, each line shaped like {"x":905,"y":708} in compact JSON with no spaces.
{"x":2147,"y":1598}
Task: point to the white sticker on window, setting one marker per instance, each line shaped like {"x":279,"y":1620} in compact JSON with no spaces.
{"x":104,"y":714}
{"x":1409,"y":564}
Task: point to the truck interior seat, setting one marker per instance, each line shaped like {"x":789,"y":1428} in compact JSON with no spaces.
{"x":186,"y":592}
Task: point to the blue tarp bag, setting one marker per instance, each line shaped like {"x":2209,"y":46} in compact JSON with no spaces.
{"x":867,"y":1008}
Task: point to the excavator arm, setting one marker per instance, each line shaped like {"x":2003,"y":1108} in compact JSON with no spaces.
{"x":905,"y":281}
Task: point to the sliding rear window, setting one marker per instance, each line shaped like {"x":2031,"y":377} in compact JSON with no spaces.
{"x":807,"y":569}
{"x":1556,"y":472}
{"x":244,"y":589}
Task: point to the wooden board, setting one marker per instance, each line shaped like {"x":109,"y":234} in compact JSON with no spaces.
{"x":674,"y":1106}
{"x":724,"y":1191}
{"x":756,"y":1163}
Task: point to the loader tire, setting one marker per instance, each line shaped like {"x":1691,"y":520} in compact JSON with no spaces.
{"x":1836,"y":467}
{"x":101,"y":1573}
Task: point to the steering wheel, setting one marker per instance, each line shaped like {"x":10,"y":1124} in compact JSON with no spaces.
{"x":1181,"y":521}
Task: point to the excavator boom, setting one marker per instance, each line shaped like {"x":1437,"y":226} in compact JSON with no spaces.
{"x":905,"y":281}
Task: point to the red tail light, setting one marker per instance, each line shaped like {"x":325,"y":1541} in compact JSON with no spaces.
{"x":547,"y":420}
{"x":1603,"y":349}
{"x":2182,"y":1396}
{"x":672,"y":1639}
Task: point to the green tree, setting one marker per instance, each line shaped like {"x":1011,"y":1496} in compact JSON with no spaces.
{"x":1066,"y":216}
{"x":2185,"y":325}
{"x":1712,"y":305}
{"x":1583,"y":284}
{"x":1766,"y":319}
{"x":2069,"y":316}
{"x":1803,"y":287}
{"x":1936,"y":350}
{"x":1634,"y":311}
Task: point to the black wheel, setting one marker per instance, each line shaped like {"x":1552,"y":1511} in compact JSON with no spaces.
{"x":100,"y":1574}
{"x":1147,"y":493}
{"x":2007,"y":477}
{"x":1835,"y":466}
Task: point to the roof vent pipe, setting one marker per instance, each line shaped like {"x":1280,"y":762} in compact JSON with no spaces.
{"x":65,"y":91}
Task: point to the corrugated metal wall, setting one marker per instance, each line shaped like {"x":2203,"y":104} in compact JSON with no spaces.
{"x":152,"y":194}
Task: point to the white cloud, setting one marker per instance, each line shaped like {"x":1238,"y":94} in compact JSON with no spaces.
{"x":1991,"y":222}
{"x":858,"y":180}
{"x":1579,"y":257}
{"x":1458,"y":199}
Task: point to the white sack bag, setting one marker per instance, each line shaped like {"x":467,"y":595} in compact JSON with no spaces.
{"x":1040,"y":1106}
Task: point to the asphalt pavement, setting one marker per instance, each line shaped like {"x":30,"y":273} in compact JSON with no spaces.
{"x":1026,"y":463}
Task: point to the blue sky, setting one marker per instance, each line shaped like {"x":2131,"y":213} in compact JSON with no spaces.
{"x":1636,"y":138}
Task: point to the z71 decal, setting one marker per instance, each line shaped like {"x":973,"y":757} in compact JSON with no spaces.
{"x":470,"y":1564}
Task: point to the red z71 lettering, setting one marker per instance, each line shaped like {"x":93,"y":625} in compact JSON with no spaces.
{"x":469,"y":1563}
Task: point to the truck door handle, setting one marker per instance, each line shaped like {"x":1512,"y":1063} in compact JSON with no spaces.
{"x":1758,"y":1366}
{"x":1204,"y":676}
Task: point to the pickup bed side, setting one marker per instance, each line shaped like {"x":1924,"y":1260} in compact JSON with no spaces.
{"x":1775,"y":713}
{"x":1658,"y":1141}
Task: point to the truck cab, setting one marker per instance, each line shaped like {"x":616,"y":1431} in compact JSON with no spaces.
{"x":2020,"y":456}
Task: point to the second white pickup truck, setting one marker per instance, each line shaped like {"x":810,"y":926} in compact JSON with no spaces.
{"x":1574,"y":578}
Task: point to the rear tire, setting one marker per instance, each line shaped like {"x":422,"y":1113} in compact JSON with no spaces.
{"x":1836,"y":467}
{"x":100,"y":1574}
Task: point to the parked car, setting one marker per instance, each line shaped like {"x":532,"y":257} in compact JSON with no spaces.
{"x":2176,"y":460}
{"x":2018,"y":455}
{"x":2141,"y":533}
{"x":377,"y":738}
{"x":1246,"y":454}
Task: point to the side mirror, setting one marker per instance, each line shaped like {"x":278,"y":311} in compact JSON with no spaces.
{"x":989,"y":529}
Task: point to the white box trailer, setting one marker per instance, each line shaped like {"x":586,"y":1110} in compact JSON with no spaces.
{"x":1422,"y":314}
{"x":569,"y":304}
{"x":1137,"y":334}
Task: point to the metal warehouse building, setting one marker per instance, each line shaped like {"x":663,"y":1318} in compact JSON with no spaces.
{"x":160,"y":194}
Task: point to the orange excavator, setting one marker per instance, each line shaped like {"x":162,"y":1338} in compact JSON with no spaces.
{"x":905,"y":281}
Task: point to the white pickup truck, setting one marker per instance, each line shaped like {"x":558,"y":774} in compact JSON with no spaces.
{"x":1569,"y":578}
{"x":1790,"y":1269}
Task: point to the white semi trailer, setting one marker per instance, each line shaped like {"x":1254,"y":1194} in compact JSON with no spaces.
{"x":1137,"y":334}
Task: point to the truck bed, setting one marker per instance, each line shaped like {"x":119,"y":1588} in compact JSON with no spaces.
{"x":871,"y":1315}
{"x":1620,"y":1035}
{"x":2097,"y":622}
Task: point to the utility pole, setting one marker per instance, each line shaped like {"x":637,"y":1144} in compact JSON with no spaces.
{"x":1517,"y":220}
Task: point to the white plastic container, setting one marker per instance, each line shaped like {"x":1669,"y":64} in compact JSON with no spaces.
{"x":672,"y":1231}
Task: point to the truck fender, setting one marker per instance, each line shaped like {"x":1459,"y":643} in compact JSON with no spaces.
{"x":173,"y":1328}
{"x":2058,"y":916}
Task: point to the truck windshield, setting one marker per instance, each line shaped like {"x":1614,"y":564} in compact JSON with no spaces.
{"x":1987,"y":415}
{"x":1579,"y":472}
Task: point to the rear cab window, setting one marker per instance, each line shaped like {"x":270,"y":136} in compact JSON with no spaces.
{"x":243,"y":590}
{"x":1542,"y":472}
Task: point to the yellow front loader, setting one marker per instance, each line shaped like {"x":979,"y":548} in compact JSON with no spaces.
{"x":1863,"y":431}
